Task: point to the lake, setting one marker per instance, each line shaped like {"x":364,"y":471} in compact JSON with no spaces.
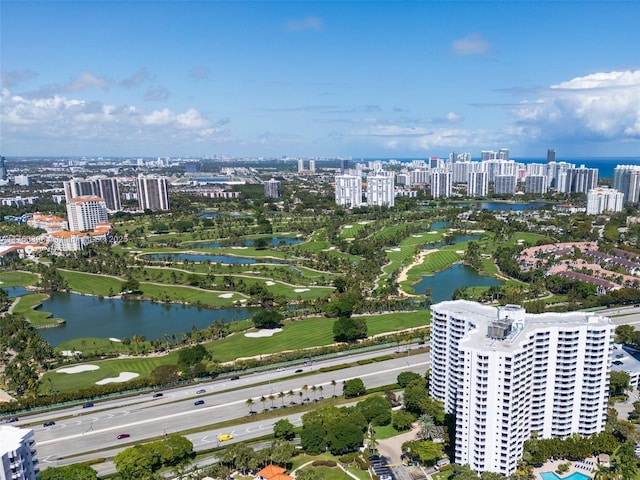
{"x":89,"y":316}
{"x":275,"y":241}
{"x":203,"y":257}
{"x":445,"y":282}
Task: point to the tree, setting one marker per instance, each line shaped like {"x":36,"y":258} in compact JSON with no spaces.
{"x":618,"y":382}
{"x":249,"y":403}
{"x":312,"y":439}
{"x":349,"y":329}
{"x":130,"y":286}
{"x":133,"y":464}
{"x":428,"y":429}
{"x":376,"y":410}
{"x":405,"y":378}
{"x":344,"y":437}
{"x":425,"y":451}
{"x":353,"y":388}
{"x":267,"y":319}
{"x":402,"y":420}
{"x":191,"y":355}
{"x":77,"y":471}
{"x":283,"y":429}
{"x":625,"y":334}
{"x":418,"y":402}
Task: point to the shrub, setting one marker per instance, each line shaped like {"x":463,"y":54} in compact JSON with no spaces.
{"x":324,"y":463}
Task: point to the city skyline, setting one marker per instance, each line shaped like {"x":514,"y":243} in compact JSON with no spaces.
{"x":344,"y":79}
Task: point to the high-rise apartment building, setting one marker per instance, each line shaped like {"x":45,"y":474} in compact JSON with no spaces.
{"x":601,"y":200}
{"x":581,"y":179}
{"x":312,"y":166}
{"x":478,"y":184}
{"x":505,"y":374}
{"x":3,"y":169}
{"x":300,"y":165}
{"x":17,"y":453}
{"x":85,"y":213}
{"x":381,"y":189}
{"x":626,"y":179}
{"x":272,"y":188}
{"x":551,"y":155}
{"x":348,"y":190}
{"x":440,"y":183}
{"x":536,"y":184}
{"x":105,"y":187}
{"x":504,"y":184}
{"x":153,"y":193}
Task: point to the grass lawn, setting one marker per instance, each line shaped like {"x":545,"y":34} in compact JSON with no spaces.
{"x":28,"y":303}
{"x":328,"y":473}
{"x":386,"y":431}
{"x":17,"y":279}
{"x":299,"y":334}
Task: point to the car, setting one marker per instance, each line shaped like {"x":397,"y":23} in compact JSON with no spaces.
{"x":123,"y":435}
{"x":199,"y":402}
{"x":202,"y":390}
{"x":158,"y":395}
{"x":50,"y":423}
{"x":299,"y":370}
{"x":223,"y":437}
{"x":281,"y":369}
{"x":87,"y":405}
{"x":12,"y":419}
{"x":235,"y":377}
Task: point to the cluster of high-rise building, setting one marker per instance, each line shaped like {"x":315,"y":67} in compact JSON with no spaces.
{"x":506,"y":374}
{"x":494,"y":173}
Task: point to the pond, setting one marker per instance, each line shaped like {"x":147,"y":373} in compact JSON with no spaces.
{"x":451,"y":241}
{"x":90,"y":316}
{"x":503,"y":206}
{"x":15,"y":291}
{"x":275,"y":241}
{"x":445,"y":282}
{"x":197,"y":257}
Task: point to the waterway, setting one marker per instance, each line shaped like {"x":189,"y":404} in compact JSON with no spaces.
{"x":89,"y":316}
{"x":198,"y":257}
{"x":445,"y":282}
{"x":275,"y":241}
{"x":15,"y":291}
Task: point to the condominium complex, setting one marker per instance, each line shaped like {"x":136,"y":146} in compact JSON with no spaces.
{"x":505,"y":374}
{"x":153,"y":193}
{"x":478,"y":184}
{"x":381,"y":189}
{"x":601,"y":200}
{"x":348,"y":190}
{"x":626,"y":179}
{"x":272,"y":188}
{"x":17,"y":453}
{"x":104,"y":187}
{"x":440,"y":183}
{"x":85,"y":213}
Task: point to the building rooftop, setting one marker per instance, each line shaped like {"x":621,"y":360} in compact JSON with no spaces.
{"x":509,"y":324}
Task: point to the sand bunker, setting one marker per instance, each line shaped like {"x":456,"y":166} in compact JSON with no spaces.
{"x":123,"y":377}
{"x":226,"y":295}
{"x":300,"y":290}
{"x":78,"y":369}
{"x":329,"y":249}
{"x":70,"y":353}
{"x":416,"y":236}
{"x":347,"y":226}
{"x":114,"y":339}
{"x":239,"y":248}
{"x":268,"y":283}
{"x":263,"y":333}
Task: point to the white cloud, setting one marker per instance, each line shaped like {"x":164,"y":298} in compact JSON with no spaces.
{"x":9,"y":79}
{"x":67,"y":121}
{"x":472,"y":44}
{"x":308,"y":23}
{"x":599,"y":106}
{"x":136,"y":79}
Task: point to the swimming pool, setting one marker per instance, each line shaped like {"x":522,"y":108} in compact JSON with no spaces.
{"x":573,"y":476}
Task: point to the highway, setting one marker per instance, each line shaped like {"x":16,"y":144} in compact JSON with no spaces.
{"x":79,"y":430}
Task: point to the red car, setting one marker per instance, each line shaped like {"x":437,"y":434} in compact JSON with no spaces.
{"x":123,"y":435}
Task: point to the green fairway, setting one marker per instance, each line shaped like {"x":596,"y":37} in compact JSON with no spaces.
{"x":299,"y":334}
{"x":17,"y":279}
{"x":26,"y":306}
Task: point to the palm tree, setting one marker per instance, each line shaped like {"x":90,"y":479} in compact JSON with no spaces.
{"x":272,"y":397}
{"x":281,"y":395}
{"x":333,"y":384}
{"x":428,"y":428}
{"x":263,"y":399}
{"x":314,"y":389}
{"x":249,"y":403}
{"x":320,"y":389}
{"x":291,"y":394}
{"x":304,"y":389}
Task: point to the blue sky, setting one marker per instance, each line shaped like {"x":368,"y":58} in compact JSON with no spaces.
{"x":312,"y":79}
